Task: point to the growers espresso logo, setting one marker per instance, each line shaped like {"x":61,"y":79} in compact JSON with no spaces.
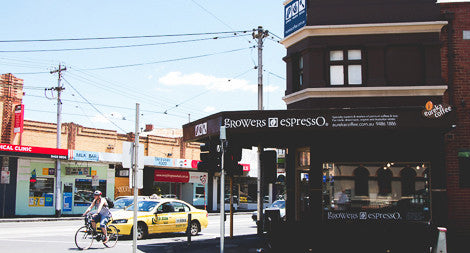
{"x":433,"y":111}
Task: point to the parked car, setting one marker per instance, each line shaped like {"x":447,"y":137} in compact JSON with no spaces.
{"x":276,"y":205}
{"x":160,"y":216}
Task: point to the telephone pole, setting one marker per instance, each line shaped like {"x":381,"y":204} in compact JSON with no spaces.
{"x":59,"y":89}
{"x":260,"y":35}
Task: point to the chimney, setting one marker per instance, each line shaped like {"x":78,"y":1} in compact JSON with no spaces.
{"x":148,"y":127}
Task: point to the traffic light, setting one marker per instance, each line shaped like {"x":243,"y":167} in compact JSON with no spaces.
{"x":269,"y":165}
{"x":210,"y":158}
{"x":232,"y":156}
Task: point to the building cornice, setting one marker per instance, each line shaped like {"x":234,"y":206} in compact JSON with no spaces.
{"x":351,"y":92}
{"x":363,"y":29}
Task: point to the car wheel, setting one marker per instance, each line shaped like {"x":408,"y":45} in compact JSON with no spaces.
{"x":141,"y":231}
{"x":194,"y":228}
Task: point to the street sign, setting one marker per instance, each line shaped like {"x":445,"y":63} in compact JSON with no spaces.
{"x":295,"y":16}
{"x":5,"y":179}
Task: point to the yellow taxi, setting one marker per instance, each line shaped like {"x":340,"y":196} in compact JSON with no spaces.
{"x":160,"y":216}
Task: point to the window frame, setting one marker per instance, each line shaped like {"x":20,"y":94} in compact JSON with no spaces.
{"x":345,"y":63}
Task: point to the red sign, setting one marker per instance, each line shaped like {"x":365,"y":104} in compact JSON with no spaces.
{"x":34,"y":151}
{"x":19,"y":116}
{"x":246,"y":167}
{"x":173,"y":176}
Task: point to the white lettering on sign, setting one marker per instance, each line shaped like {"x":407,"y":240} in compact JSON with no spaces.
{"x":437,"y":111}
{"x":364,"y":216}
{"x":200,"y":129}
{"x":276,"y":122}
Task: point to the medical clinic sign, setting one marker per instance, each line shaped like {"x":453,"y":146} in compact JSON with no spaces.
{"x":18,"y":150}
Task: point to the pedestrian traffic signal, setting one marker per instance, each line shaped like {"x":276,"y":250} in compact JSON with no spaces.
{"x":210,"y":158}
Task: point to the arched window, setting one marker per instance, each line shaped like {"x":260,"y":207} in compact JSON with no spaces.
{"x":408,"y":181}
{"x":384,"y":181}
{"x":361,"y":181}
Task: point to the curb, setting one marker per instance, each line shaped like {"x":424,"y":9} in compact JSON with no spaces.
{"x":37,"y":219}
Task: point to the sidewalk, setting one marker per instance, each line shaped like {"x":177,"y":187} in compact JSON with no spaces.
{"x":238,"y":244}
{"x":78,"y":217}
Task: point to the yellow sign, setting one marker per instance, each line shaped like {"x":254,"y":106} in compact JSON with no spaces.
{"x":93,"y":172}
{"x":45,"y":171}
{"x":36,"y":201}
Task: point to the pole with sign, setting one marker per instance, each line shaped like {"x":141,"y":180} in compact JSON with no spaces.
{"x":223,"y":139}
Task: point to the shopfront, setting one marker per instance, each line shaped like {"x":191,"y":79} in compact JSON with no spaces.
{"x":375,"y":175}
{"x":175,"y":178}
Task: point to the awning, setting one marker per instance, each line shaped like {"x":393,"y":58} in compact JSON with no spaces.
{"x":295,"y":122}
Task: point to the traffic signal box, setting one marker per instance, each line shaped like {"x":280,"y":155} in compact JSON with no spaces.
{"x":232,"y":156}
{"x":210,"y":158}
{"x":269,"y":165}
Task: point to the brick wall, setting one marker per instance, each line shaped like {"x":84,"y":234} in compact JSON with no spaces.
{"x":459,"y":93}
{"x":11,"y":94}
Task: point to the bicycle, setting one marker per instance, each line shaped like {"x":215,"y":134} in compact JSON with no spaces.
{"x":86,"y":234}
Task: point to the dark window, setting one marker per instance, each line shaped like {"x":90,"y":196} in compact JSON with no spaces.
{"x":361,"y":181}
{"x":345,"y":67}
{"x":384,"y":181}
{"x":180,"y":207}
{"x":464,"y":171}
{"x":299,"y":70}
{"x":408,"y":180}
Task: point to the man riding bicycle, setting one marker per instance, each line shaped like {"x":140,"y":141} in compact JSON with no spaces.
{"x":102,"y":214}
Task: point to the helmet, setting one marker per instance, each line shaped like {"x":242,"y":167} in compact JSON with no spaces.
{"x":97,"y":193}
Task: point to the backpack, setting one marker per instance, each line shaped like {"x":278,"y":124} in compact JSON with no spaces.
{"x":110,"y":202}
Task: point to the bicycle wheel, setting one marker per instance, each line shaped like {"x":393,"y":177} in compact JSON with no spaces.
{"x":83,"y":238}
{"x":113,"y":236}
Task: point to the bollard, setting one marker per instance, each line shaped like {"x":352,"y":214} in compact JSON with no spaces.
{"x":188,"y":230}
{"x":441,"y":245}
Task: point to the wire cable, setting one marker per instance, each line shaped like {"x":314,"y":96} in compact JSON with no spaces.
{"x":94,"y":107}
{"x":169,"y":60}
{"x":114,"y":47}
{"x":121,"y":37}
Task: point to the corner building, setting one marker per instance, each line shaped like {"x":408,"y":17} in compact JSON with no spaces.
{"x":375,"y":126}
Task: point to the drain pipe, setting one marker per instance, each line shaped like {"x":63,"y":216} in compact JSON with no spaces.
{"x":449,"y":16}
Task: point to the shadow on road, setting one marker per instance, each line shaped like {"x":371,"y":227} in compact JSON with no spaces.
{"x":238,"y":244}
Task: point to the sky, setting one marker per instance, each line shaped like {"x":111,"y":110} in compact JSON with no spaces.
{"x":210,"y":68}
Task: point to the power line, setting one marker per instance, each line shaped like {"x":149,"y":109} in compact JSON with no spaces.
{"x":120,"y":37}
{"x":170,"y":60}
{"x":114,"y":47}
{"x":94,"y":107}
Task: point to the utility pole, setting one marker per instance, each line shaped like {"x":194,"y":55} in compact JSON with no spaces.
{"x":135,"y":171}
{"x":260,"y":36}
{"x":59,"y":89}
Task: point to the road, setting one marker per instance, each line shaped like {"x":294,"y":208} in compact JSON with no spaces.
{"x":58,"y":236}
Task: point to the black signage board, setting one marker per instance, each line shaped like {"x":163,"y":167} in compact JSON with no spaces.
{"x":292,"y":121}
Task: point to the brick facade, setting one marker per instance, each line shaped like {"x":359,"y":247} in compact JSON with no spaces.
{"x":457,"y":63}
{"x":11,"y":95}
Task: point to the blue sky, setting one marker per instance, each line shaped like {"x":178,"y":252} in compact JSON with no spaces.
{"x":225,"y":80}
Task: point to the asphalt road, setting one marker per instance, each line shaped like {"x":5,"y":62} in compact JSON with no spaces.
{"x":58,"y":236}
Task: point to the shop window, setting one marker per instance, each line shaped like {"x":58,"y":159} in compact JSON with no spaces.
{"x":361,"y":181}
{"x":384,"y":181}
{"x":408,"y":181}
{"x":345,"y":67}
{"x":464,"y":171}
{"x":345,"y":186}
{"x":84,"y":188}
{"x":41,"y":191}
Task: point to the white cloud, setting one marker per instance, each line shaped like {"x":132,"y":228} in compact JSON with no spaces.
{"x":107,"y":119}
{"x":209,"y":109}
{"x":100,"y":119}
{"x":211,"y":82}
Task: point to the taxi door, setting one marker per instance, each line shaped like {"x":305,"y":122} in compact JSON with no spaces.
{"x":161,"y":223}
{"x":181,"y":216}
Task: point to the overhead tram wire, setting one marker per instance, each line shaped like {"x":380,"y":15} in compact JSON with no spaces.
{"x":207,"y":91}
{"x":170,"y":60}
{"x":122,"y":93}
{"x":123,"y":37}
{"x":115,"y":47}
{"x":94,"y":107}
{"x":115,"y":107}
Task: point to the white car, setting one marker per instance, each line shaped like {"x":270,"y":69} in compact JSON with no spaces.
{"x":276,"y":205}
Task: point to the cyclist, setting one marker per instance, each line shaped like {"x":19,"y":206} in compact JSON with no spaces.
{"x":102,"y":213}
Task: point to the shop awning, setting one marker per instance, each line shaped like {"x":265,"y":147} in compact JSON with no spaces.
{"x":256,"y":126}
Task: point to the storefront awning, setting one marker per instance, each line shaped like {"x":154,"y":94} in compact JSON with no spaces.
{"x":292,"y":122}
